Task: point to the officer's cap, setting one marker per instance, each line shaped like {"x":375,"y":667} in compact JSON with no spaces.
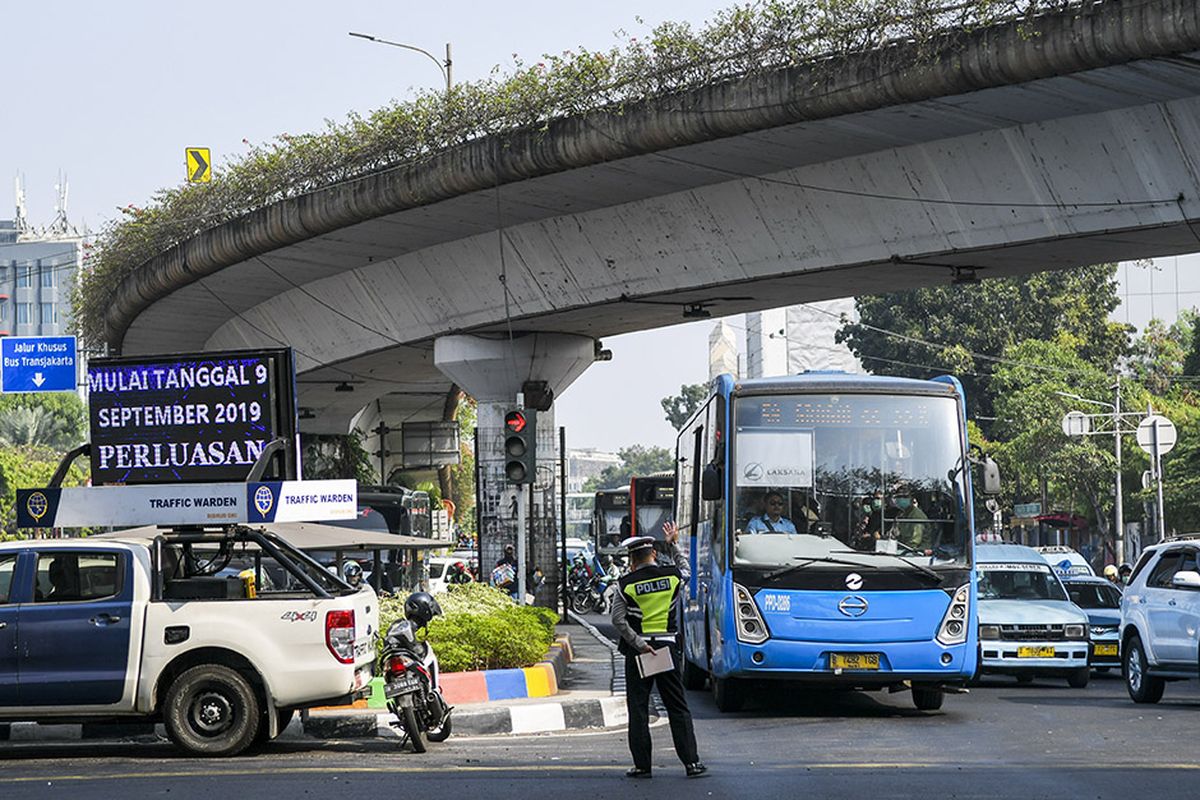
{"x":638,"y":543}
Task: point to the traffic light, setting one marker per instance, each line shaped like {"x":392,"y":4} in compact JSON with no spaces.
{"x":520,"y":445}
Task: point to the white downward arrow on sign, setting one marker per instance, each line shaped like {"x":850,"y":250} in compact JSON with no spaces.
{"x":38,"y":380}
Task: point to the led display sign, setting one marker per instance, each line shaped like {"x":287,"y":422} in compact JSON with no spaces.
{"x":197,"y":418}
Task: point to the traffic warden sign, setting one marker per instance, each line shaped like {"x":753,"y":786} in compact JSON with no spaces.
{"x":199,"y":165}
{"x":38,"y":363}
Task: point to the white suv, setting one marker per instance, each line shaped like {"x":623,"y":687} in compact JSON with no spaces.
{"x":1160,"y":619}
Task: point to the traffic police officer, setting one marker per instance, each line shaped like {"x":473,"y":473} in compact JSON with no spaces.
{"x":645,"y":612}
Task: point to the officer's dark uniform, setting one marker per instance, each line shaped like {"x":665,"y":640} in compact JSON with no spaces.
{"x":645,"y":610}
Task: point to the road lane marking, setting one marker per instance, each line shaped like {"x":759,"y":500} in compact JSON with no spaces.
{"x":438,"y":770}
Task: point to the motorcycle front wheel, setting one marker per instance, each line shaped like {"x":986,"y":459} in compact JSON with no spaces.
{"x":581,"y":602}
{"x":408,"y":715}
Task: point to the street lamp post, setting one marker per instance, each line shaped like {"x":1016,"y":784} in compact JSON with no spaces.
{"x":1117,"y":415}
{"x":446,"y":67}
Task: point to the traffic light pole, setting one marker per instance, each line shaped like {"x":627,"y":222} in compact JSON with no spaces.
{"x":522,"y":541}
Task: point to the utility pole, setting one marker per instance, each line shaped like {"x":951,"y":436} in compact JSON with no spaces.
{"x":1120,"y":508}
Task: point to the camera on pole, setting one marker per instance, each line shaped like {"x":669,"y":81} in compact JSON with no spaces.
{"x":520,"y":445}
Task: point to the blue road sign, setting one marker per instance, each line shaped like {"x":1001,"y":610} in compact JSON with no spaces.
{"x":38,"y":363}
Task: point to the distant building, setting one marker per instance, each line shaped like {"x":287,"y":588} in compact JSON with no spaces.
{"x":788,"y":341}
{"x":586,"y":463}
{"x":37,"y":270}
{"x":723,"y":355}
{"x":1157,"y":288}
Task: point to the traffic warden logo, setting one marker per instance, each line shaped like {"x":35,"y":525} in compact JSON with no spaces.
{"x":264,"y":500}
{"x":37,"y":505}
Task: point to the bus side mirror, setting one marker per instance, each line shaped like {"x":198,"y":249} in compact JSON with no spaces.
{"x":991,"y":477}
{"x":710,"y":483}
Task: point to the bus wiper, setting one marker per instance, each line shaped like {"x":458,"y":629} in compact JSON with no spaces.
{"x":921,"y":568}
{"x":806,"y":562}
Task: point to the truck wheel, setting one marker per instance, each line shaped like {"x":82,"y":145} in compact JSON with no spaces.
{"x":413,"y":729}
{"x":928,"y":698}
{"x":1142,"y":687}
{"x":1079,"y":678}
{"x":211,"y":710}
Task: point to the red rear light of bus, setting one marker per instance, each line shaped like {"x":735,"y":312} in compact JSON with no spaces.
{"x":339,"y":635}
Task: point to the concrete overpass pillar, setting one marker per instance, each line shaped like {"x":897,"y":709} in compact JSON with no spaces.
{"x":494,"y":371}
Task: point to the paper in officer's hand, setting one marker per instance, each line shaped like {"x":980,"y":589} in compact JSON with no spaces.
{"x":654,"y":663}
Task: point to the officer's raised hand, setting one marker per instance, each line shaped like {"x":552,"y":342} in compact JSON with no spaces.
{"x":670,"y":532}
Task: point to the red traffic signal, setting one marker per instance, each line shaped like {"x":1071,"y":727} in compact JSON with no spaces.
{"x":520,"y":445}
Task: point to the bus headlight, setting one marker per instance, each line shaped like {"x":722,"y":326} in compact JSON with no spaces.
{"x":1075,"y":631}
{"x":750,"y":626}
{"x":953,"y":629}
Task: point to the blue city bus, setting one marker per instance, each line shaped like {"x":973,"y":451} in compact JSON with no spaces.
{"x":866,"y":579}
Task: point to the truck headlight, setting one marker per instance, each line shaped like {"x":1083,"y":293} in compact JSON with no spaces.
{"x":1075,"y":631}
{"x":989,"y":631}
{"x":953,"y":629}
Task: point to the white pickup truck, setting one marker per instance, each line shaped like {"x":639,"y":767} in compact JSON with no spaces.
{"x":221,"y":634}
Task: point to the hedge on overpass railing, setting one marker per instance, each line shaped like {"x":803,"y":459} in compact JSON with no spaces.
{"x":757,"y":37}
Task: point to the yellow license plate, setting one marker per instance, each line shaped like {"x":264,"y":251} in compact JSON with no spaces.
{"x":1035,"y":652}
{"x":854,"y":660}
{"x":1106,"y":649}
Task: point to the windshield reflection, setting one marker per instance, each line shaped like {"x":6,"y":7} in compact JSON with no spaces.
{"x":848,"y":477}
{"x":1024,"y":583}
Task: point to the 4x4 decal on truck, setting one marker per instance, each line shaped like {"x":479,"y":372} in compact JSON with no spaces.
{"x":299,"y":616}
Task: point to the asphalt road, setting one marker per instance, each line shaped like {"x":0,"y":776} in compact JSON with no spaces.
{"x":1001,"y":740}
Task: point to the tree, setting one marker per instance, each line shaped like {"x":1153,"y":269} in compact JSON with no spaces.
{"x":1158,"y":355}
{"x":963,"y":323}
{"x":635,"y":460}
{"x":333,"y":456}
{"x":679,"y":408}
{"x":463,"y":474}
{"x":1039,"y":458}
{"x":57,"y":421}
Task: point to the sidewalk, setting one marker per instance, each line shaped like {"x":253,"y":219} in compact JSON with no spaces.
{"x":585,"y":700}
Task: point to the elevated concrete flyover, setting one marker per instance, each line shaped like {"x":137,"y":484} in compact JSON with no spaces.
{"x":1066,"y":139}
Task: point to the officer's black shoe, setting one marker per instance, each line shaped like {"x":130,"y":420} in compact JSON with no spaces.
{"x":696,"y":770}
{"x":637,"y":772}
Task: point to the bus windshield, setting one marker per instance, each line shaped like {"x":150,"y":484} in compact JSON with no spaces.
{"x":829,"y":477}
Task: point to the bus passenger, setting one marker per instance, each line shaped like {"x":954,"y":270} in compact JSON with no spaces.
{"x":772,"y":521}
{"x":870,"y":523}
{"x":912,"y":531}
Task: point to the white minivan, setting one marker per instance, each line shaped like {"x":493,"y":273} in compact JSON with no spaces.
{"x":1028,"y":626}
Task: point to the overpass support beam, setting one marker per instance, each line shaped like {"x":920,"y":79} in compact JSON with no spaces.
{"x":494,"y":371}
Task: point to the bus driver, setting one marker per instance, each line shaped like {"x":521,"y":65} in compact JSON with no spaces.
{"x":772,"y":521}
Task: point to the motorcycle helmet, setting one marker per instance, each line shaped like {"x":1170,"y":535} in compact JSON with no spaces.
{"x":1110,"y":571}
{"x":420,"y":608}
{"x":352,"y":572}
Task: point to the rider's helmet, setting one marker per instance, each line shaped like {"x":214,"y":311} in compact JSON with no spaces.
{"x":353,"y":573}
{"x":420,"y":607}
{"x":1110,"y":571}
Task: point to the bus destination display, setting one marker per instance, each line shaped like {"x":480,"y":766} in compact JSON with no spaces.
{"x":194,"y":418}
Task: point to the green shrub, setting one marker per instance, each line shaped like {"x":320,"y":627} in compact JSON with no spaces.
{"x":481,"y":628}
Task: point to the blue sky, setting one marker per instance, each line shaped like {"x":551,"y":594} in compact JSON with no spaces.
{"x":111,"y":94}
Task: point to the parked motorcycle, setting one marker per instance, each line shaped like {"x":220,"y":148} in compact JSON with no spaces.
{"x":410,"y":671}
